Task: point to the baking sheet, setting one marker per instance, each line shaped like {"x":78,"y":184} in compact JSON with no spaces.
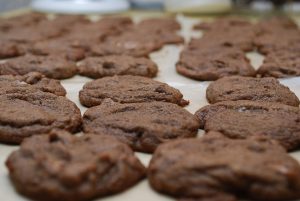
{"x":194,"y":91}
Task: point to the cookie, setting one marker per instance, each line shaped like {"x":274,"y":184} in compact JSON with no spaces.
{"x":63,"y":167}
{"x":244,"y":118}
{"x":213,"y":63}
{"x":59,"y":46}
{"x":281,"y":63}
{"x":10,"y":49}
{"x":247,"y":88}
{"x":24,"y":20}
{"x":238,"y":37}
{"x":129,"y":43}
{"x":169,"y":24}
{"x":213,"y":167}
{"x":129,"y":89}
{"x":53,"y":66}
{"x":35,"y":80}
{"x":221,"y":23}
{"x":275,"y":23}
{"x":27,"y":111}
{"x":98,"y":67}
{"x":277,"y":40}
{"x":143,"y":126}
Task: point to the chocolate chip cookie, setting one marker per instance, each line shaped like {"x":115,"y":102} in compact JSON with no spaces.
{"x":213,"y":63}
{"x":244,"y":118}
{"x":214,"y":167}
{"x":98,"y":67}
{"x":143,"y":126}
{"x":129,"y":89}
{"x":27,"y":111}
{"x":282,"y":63}
{"x":247,"y":88}
{"x":35,"y":80}
{"x":63,"y":167}
{"x":52,"y":66}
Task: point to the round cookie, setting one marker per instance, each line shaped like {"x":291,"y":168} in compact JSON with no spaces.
{"x":282,"y":63}
{"x":98,"y":67}
{"x":128,"y":89}
{"x":26,"y":112}
{"x":248,"y":88}
{"x":52,"y":66}
{"x":213,"y":167}
{"x":213,"y":63}
{"x":133,"y":43}
{"x":244,"y":118}
{"x":34,"y":80}
{"x":63,"y":167}
{"x":143,"y":126}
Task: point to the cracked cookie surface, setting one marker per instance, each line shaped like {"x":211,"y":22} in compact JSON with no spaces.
{"x":143,"y":126}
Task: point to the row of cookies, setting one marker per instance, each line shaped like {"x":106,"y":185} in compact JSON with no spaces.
{"x":60,"y":166}
{"x":221,"y":50}
{"x":109,"y":46}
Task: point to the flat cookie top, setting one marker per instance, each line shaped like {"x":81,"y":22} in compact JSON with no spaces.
{"x":129,"y":89}
{"x":98,"y":67}
{"x":34,"y":80}
{"x":63,"y":167}
{"x":143,"y":126}
{"x":282,"y":63}
{"x":248,"y":88}
{"x":26,"y":112}
{"x":214,"y":167}
{"x":213,"y":63}
{"x":52,"y":66}
{"x":244,"y":118}
{"x":169,"y":24}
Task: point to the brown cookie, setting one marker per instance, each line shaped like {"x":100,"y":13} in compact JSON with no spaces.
{"x":273,"y":41}
{"x":247,"y":88}
{"x":213,"y":63}
{"x":98,"y":67}
{"x":59,"y":46}
{"x":129,"y":43}
{"x":28,"y":19}
{"x":35,"y":80}
{"x":238,"y":37}
{"x":282,"y":63}
{"x":143,"y":126}
{"x":26,"y":112}
{"x":129,"y":89}
{"x":63,"y":167}
{"x":223,"y":23}
{"x":213,"y":167}
{"x":243,"y":119}
{"x":168,"y":24}
{"x":53,"y":66}
{"x":275,"y":23}
{"x":10,"y":49}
